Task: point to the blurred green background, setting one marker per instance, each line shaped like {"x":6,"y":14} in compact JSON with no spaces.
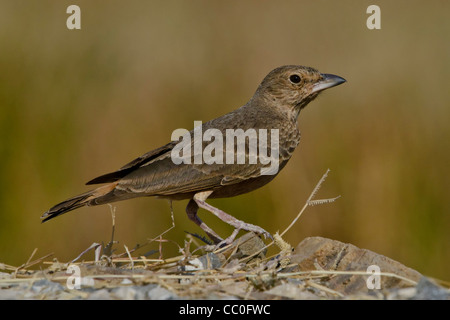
{"x":75,"y":104}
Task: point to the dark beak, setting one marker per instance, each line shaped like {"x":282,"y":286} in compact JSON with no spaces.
{"x":328,"y":81}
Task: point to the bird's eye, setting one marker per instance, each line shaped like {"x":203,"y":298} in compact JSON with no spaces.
{"x":295,"y":78}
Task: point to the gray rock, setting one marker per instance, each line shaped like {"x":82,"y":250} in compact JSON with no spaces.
{"x":101,"y":294}
{"x":159,"y":293}
{"x":428,"y":290}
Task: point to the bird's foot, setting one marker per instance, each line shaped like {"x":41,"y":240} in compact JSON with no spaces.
{"x":236,"y":223}
{"x":241,"y":225}
{"x":227,"y":241}
{"x":232,"y":237}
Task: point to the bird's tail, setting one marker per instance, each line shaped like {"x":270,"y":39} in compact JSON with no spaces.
{"x":89,"y":198}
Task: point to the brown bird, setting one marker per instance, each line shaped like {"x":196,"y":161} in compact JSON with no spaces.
{"x":276,"y":104}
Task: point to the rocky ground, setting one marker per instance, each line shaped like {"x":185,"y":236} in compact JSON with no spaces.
{"x":317,"y":268}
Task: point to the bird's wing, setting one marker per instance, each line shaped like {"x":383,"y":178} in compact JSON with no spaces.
{"x":146,"y":159}
{"x":154,"y":173}
{"x":150,"y":157}
{"x":163,"y":177}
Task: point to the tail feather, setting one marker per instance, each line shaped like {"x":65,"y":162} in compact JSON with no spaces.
{"x":86,"y":199}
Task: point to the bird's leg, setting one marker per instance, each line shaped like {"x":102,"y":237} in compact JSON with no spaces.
{"x":191,"y":211}
{"x":200,"y":198}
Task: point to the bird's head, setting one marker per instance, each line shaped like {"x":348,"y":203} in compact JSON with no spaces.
{"x":293,"y":87}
